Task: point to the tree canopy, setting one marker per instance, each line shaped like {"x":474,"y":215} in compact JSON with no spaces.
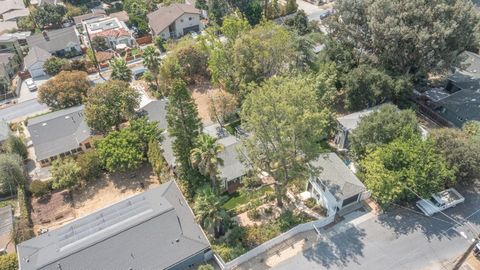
{"x":65,"y":173}
{"x":15,"y":145}
{"x":49,"y":15}
{"x":11,"y":173}
{"x":205,"y":157}
{"x":286,"y":126}
{"x":407,"y":37}
{"x":396,"y":169}
{"x":109,"y":104}
{"x":54,"y":65}
{"x":67,"y":89}
{"x":120,"y":70}
{"x":383,"y":126}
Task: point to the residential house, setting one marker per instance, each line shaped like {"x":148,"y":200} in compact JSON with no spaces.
{"x":4,"y":131}
{"x":45,"y":2}
{"x":155,"y":229}
{"x":115,"y":32}
{"x":232,"y":170}
{"x":10,"y":12}
{"x":175,"y":20}
{"x":459,"y":101}
{"x":121,"y":16}
{"x":34,"y":61}
{"x":6,"y":229}
{"x":20,"y":36}
{"x":333,"y":185}
{"x":59,"y":134}
{"x":95,"y":14}
{"x":346,"y":124}
{"x":11,"y":44}
{"x":62,"y":42}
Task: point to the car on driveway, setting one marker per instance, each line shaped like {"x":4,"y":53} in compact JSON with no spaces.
{"x":31,"y":85}
{"x":440,"y":201}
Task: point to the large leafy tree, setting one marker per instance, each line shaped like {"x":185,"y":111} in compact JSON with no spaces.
{"x":262,"y":52}
{"x":12,"y":174}
{"x":406,"y":37}
{"x":67,"y":89}
{"x":121,"y":150}
{"x":49,"y":15}
{"x":209,"y":212}
{"x":155,"y":158}
{"x":184,"y":126}
{"x":65,"y":173}
{"x":137,"y":12}
{"x":15,"y":145}
{"x":109,"y":104}
{"x":381,"y":127}
{"x":286,"y":125}
{"x":151,"y":60}
{"x":461,"y":151}
{"x":403,"y":168}
{"x":91,"y":166}
{"x":366,"y":86}
{"x":205,"y":157}
{"x":120,"y":70}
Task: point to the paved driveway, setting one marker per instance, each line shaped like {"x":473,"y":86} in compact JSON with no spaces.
{"x":313,"y":11}
{"x":399,"y":239}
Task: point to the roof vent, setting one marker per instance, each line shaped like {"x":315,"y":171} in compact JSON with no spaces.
{"x":67,"y":117}
{"x":44,"y":124}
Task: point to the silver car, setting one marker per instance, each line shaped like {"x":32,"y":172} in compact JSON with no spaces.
{"x":31,"y":85}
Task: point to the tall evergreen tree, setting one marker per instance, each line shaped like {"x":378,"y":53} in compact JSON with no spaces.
{"x":185,"y":126}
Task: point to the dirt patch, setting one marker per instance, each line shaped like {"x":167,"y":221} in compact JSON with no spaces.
{"x":52,"y":211}
{"x":200,"y":93}
{"x":243,"y":219}
{"x":111,"y":189}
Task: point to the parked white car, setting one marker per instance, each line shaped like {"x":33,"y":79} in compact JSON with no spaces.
{"x":31,"y":85}
{"x":440,"y":201}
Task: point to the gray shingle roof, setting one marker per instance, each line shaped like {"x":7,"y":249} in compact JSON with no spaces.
{"x":98,"y":13}
{"x":156,"y":111}
{"x":58,"y":132}
{"x":57,"y":39}
{"x":350,"y":121}
{"x":337,"y":177}
{"x":35,"y":54}
{"x":164,"y":16}
{"x":151,"y":230}
{"x":4,"y":130}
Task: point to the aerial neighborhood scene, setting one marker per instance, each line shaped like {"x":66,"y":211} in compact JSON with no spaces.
{"x":239,"y":134}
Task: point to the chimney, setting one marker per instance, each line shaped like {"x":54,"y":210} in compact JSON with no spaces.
{"x":45,"y":35}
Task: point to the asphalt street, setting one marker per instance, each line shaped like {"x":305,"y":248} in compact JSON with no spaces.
{"x":399,"y":239}
{"x":23,"y":109}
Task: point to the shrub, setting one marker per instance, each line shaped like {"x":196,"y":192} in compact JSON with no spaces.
{"x":39,"y":188}
{"x":254,"y":214}
{"x":65,"y":173}
{"x":311,"y":203}
{"x":268,"y":211}
{"x":205,"y":267}
{"x":256,"y":235}
{"x":90,"y":165}
{"x":229,"y":252}
{"x":9,"y":262}
{"x":54,"y":65}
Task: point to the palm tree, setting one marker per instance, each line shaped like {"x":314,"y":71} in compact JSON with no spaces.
{"x":205,"y":157}
{"x":120,"y":71}
{"x":209,"y":212}
{"x":151,"y":60}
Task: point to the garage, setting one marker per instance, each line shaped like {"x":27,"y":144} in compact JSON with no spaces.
{"x":195,"y":28}
{"x":34,"y":61}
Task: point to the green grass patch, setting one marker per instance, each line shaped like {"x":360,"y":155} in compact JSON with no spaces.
{"x":238,"y":199}
{"x":10,"y":202}
{"x":136,"y":51}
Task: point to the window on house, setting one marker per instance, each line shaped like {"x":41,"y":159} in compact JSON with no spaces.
{"x":181,"y":20}
{"x":87,"y":145}
{"x":189,"y":18}
{"x":79,"y":149}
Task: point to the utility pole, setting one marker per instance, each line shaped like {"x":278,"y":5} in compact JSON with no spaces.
{"x":93,"y":51}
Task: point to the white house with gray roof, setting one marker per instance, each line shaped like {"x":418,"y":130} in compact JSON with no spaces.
{"x":59,"y":134}
{"x":155,"y":229}
{"x":34,"y":61}
{"x":60,"y":42}
{"x":333,"y":185}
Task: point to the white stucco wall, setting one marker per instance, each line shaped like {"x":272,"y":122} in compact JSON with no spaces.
{"x":184,"y":22}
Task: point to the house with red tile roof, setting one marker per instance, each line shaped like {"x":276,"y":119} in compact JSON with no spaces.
{"x":115,"y":32}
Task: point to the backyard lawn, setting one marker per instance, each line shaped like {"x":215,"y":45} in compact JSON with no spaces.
{"x":238,"y":199}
